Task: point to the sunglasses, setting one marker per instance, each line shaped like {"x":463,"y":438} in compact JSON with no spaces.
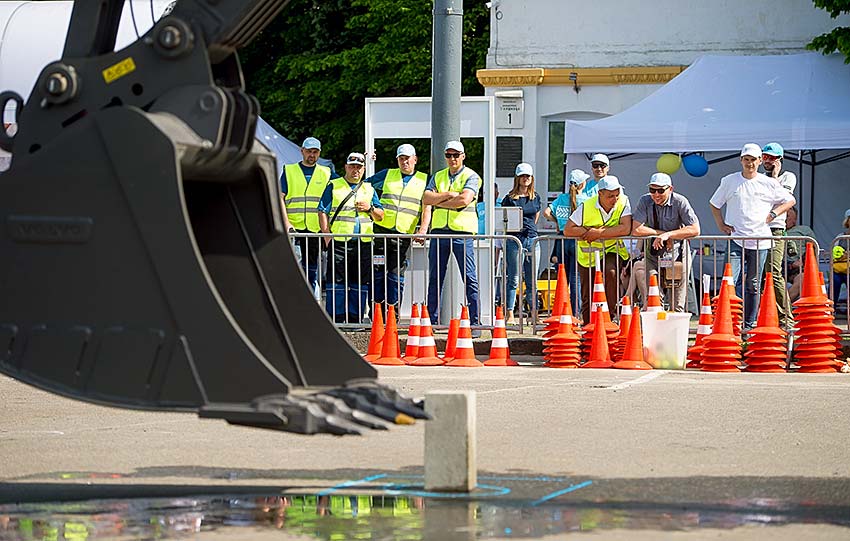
{"x":658,"y":190}
{"x":452,"y":155}
{"x":598,"y":165}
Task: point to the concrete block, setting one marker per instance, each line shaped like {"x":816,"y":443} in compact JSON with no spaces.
{"x":450,"y":453}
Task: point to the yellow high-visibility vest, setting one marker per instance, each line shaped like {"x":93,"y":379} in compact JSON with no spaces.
{"x":402,"y":204}
{"x":592,"y":217}
{"x":347,"y":218}
{"x":302,"y":198}
{"x":464,"y":219}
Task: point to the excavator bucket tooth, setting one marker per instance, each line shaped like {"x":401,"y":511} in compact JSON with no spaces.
{"x":389,"y":396}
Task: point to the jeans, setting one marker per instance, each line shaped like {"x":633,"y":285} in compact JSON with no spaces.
{"x":389,"y":277}
{"x":839,"y":279}
{"x":349,"y":276}
{"x":512,"y":260}
{"x":564,"y":252}
{"x":307,"y":250}
{"x":753,"y":263}
{"x":774,"y":266}
{"x":438,"y":260}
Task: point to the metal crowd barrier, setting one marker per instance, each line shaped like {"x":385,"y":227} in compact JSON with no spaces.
{"x":356,"y":279}
{"x":707,"y":255}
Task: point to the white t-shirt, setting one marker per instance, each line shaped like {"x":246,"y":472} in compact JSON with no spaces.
{"x":787,"y":180}
{"x":577,"y":216}
{"x":748,"y":202}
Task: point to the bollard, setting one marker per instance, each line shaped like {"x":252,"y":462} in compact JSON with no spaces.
{"x":450,"y":462}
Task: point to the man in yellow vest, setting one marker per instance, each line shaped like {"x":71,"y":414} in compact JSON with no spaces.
{"x":597,"y":225}
{"x":400,"y":191}
{"x":349,"y":206}
{"x":453,"y":193}
{"x":301,"y":186}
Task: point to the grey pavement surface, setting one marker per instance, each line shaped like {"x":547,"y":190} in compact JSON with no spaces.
{"x":760,"y":443}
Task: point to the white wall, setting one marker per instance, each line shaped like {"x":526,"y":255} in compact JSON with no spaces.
{"x":606,"y":33}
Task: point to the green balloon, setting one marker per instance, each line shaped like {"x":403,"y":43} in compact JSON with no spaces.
{"x":668,"y":163}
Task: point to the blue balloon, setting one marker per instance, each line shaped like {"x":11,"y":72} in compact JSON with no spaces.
{"x":695,"y":165}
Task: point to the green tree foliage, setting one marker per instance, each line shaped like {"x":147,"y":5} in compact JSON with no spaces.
{"x":839,"y":38}
{"x":312,"y":67}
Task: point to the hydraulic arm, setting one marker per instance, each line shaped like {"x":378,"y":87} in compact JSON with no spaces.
{"x":144,"y":262}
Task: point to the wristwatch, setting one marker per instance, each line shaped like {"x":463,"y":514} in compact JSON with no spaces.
{"x":772,"y":214}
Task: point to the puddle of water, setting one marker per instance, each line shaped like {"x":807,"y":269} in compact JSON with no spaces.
{"x":343,"y":517}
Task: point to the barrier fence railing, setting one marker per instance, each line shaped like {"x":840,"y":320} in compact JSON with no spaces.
{"x":679,"y":272}
{"x":839,"y":275}
{"x":348,"y":276}
{"x":349,"y":272}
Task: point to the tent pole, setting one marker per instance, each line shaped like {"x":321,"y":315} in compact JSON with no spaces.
{"x":812,"y":196}
{"x":800,"y":176}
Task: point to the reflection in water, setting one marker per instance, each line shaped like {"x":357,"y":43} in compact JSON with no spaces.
{"x":338,"y":517}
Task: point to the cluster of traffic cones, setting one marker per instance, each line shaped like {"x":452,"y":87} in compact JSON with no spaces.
{"x":562,"y":295}
{"x":625,"y":321}
{"x":421,"y":349}
{"x":632,"y":357}
{"x":767,"y":343}
{"x":816,"y":337}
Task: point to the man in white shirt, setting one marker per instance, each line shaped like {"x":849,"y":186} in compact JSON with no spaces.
{"x":772,"y":154}
{"x":752,"y":202}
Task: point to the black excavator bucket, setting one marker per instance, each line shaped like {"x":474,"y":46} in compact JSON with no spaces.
{"x":144,"y":262}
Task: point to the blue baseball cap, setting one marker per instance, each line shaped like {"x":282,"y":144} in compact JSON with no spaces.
{"x":773,"y":149}
{"x":310,"y":143}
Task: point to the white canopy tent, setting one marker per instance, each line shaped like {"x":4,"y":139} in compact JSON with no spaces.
{"x":719,"y":103}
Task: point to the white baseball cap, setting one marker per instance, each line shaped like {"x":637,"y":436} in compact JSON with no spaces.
{"x":609,"y":182}
{"x":355,"y":158}
{"x":524,"y":169}
{"x":577,"y":176}
{"x":751,"y":149}
{"x":311,"y":142}
{"x":405,"y":150}
{"x":847,"y":213}
{"x":660,"y":179}
{"x":454,"y":145}
{"x":600,"y":158}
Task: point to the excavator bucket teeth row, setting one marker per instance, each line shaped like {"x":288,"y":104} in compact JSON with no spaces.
{"x":348,"y":410}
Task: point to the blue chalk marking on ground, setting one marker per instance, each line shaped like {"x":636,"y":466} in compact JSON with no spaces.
{"x":557,"y":493}
{"x":351,"y":483}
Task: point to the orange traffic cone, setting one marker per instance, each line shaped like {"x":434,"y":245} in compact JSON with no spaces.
{"x":390,"y":349}
{"x":736,"y":303}
{"x":704,"y":326}
{"x":722,"y":348}
{"x":411,"y":350}
{"x":561,"y":294}
{"x":562,"y":350}
{"x":451,"y":340}
{"x":814,"y":343}
{"x":500,"y":351}
{"x":599,"y":304}
{"x":767,"y":348}
{"x":633,"y":358}
{"x":464,"y":350}
{"x":625,"y":321}
{"x":653,"y":295}
{"x":376,"y":338}
{"x":427,"y":346}
{"x":600,"y":357}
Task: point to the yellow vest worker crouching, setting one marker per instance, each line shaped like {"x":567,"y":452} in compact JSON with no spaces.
{"x":597,"y":225}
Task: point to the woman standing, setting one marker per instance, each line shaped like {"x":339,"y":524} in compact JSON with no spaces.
{"x":840,"y":267}
{"x":522,"y":195}
{"x":564,"y":250}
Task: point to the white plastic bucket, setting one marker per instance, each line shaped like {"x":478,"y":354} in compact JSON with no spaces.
{"x":665,"y":339}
